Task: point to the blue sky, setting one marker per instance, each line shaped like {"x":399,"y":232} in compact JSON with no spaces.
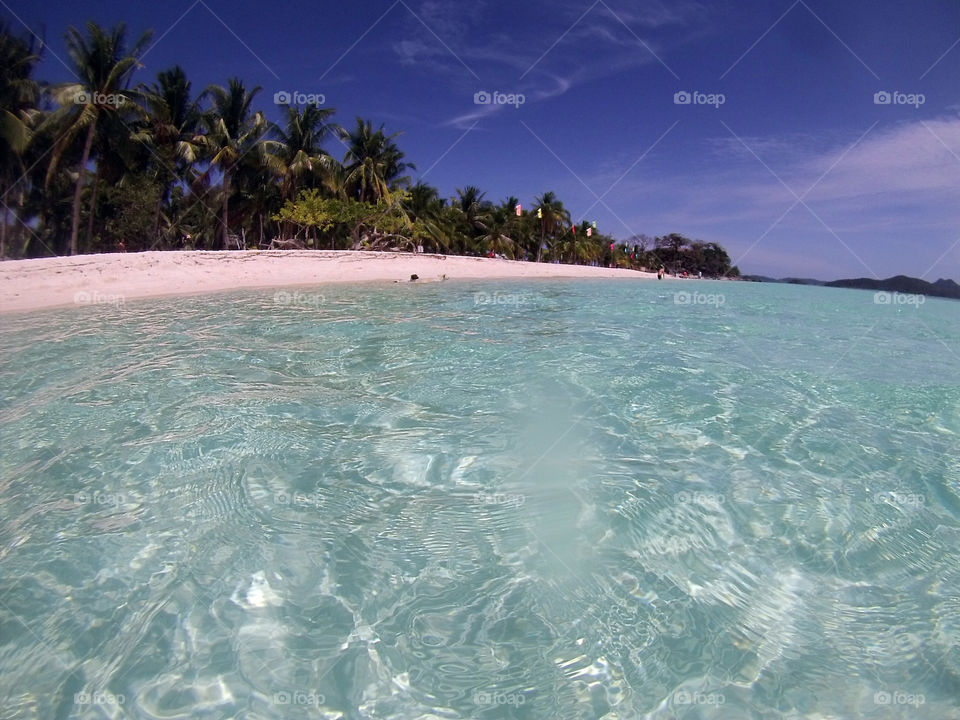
{"x":799,"y":172}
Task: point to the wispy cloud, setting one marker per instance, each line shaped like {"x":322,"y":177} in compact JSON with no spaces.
{"x":619,"y":27}
{"x":901,"y":183}
{"x":658,"y":14}
{"x":605,"y":41}
{"x":538,"y":93}
{"x":915,"y":163}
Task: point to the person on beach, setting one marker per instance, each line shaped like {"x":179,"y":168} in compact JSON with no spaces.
{"x":121,"y":247}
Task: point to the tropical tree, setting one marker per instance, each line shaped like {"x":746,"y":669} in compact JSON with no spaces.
{"x":496,"y":236}
{"x":578,"y":247}
{"x":120,"y":159}
{"x":473,"y":215}
{"x":173,"y":121}
{"x":297,"y":154}
{"x":422,"y":200}
{"x":669,"y":247}
{"x":712,"y":259}
{"x":374,"y":165}
{"x":553,"y":219}
{"x":372,"y":227}
{"x":424,"y":205}
{"x":233,"y":132}
{"x":158,"y":163}
{"x":103,"y":68}
{"x":18,"y":97}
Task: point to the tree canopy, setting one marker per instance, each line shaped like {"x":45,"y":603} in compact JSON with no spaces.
{"x":87,"y":164}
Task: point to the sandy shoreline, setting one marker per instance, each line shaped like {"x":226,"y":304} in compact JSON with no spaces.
{"x":90,"y":279}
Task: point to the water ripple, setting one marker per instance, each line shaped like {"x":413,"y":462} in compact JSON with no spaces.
{"x":398,"y":503}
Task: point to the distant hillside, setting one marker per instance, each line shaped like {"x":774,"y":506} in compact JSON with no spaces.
{"x":903,"y":284}
{"x":802,"y":281}
{"x":900,"y":283}
{"x":791,"y":281}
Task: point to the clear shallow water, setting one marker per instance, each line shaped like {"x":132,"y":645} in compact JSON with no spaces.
{"x":576,"y":500}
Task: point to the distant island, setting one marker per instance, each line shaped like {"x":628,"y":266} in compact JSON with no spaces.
{"x":899,"y":283}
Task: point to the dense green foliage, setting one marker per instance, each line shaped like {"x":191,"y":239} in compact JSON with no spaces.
{"x":91,"y":164}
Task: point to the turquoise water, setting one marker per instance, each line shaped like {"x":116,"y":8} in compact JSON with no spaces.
{"x":483,"y":499}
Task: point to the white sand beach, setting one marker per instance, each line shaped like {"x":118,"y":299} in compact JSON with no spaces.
{"x":121,"y":277}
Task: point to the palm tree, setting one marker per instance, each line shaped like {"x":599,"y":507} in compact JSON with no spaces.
{"x":517,"y":226}
{"x":471,"y":202}
{"x":233,"y":132}
{"x":173,"y":122}
{"x":577,"y":248}
{"x":497,"y":237}
{"x":103,"y":68}
{"x":298,"y":156}
{"x":18,"y":96}
{"x":553,"y":217}
{"x":374,"y":163}
{"x":474,"y":214}
{"x":424,"y":205}
{"x":335,"y":180}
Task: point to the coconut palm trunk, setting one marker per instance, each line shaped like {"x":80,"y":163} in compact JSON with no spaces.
{"x":94,"y":198}
{"x":103,"y":68}
{"x":3,"y":235}
{"x":226,"y":203}
{"x":85,"y":158}
{"x":156,"y":218}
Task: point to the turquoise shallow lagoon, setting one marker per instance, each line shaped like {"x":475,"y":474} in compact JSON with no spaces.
{"x":483,"y":499}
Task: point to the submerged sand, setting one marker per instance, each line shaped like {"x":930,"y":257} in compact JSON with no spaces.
{"x":120,"y":277}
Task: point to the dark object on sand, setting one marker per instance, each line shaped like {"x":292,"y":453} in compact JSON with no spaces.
{"x":414,"y":277}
